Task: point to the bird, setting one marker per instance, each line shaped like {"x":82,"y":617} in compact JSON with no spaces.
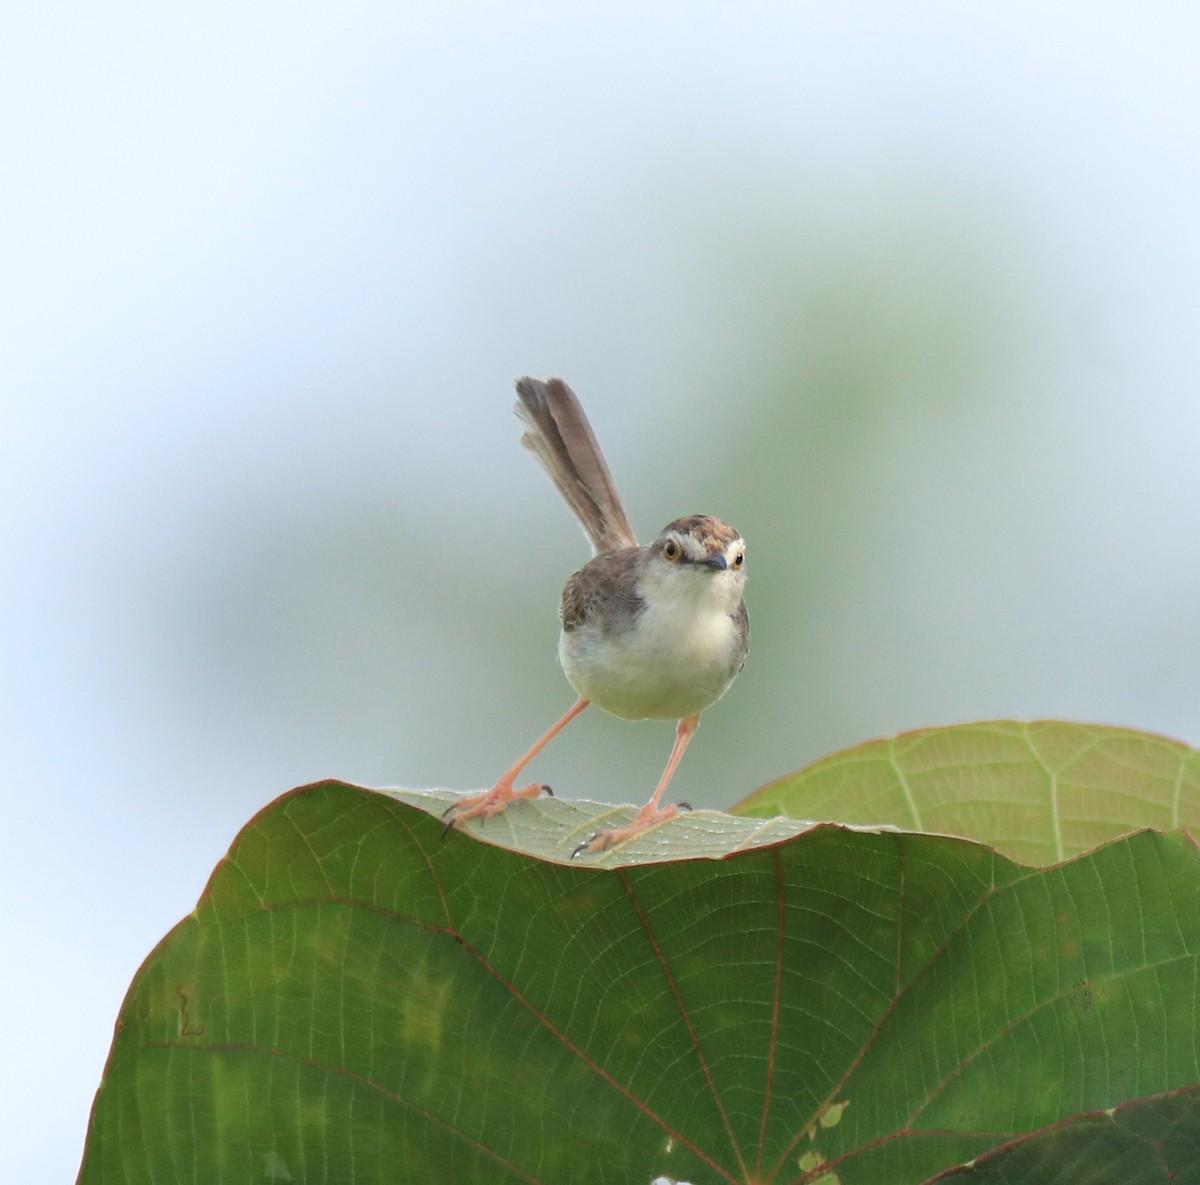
{"x":655,"y":632}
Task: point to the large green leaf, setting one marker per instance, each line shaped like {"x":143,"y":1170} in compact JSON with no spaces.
{"x":357,"y":999}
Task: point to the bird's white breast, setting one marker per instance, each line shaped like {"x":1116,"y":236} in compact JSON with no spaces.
{"x":677,"y":656}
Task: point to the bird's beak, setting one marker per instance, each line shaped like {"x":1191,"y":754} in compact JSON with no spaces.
{"x":716,"y":562}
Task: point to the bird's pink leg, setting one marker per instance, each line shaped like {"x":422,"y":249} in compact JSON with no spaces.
{"x":503,"y":792}
{"x":651,"y":814}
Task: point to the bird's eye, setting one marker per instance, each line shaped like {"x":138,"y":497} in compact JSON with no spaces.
{"x":672,"y":550}
{"x":739,"y":559}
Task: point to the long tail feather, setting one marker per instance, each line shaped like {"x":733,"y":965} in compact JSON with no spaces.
{"x":559,"y":435}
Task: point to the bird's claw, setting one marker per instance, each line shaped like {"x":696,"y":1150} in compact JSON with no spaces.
{"x":483,"y":806}
{"x":649,"y":816}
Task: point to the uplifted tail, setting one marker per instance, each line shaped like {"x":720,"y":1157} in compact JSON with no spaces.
{"x":559,"y":435}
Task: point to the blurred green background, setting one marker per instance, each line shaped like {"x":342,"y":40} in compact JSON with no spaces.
{"x":909,"y":295}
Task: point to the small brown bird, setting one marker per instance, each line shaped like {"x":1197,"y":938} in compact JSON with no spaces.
{"x":648,"y":633}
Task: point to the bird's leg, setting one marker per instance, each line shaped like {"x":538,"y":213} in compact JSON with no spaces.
{"x":651,"y":814}
{"x":493,"y":801}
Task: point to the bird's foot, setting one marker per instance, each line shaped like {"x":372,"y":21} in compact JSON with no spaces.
{"x":649,"y":816}
{"x":492,"y":802}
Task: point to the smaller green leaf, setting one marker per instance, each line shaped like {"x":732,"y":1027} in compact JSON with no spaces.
{"x":1039,"y":792}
